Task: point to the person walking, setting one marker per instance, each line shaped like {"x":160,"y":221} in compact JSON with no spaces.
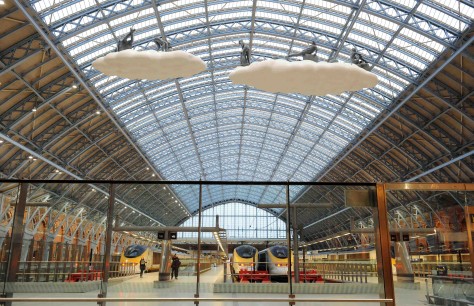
{"x":175,"y":267}
{"x":142,"y":266}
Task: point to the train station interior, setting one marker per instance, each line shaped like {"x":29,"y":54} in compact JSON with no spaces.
{"x":241,"y":152}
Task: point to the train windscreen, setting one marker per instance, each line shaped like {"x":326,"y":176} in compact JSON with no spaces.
{"x":246,"y":251}
{"x":279,"y":251}
{"x":134,"y":251}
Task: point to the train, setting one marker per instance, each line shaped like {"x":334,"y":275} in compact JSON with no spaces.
{"x":135,"y":252}
{"x":274,"y":260}
{"x":244,"y":257}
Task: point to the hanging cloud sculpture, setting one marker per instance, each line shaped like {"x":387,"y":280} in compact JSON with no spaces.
{"x":304,"y":77}
{"x":149,"y":64}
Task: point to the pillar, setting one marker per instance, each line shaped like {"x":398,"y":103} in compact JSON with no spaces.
{"x":165,"y":265}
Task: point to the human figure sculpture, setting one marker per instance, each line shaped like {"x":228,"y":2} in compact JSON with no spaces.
{"x":357,"y":59}
{"x":162,"y":45}
{"x":245,"y":54}
{"x":308,"y":53}
{"x":126,"y":42}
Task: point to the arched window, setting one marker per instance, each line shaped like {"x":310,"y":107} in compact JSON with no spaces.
{"x":242,"y":221}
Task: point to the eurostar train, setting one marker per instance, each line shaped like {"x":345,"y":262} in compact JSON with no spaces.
{"x":135,"y":252}
{"x":274,"y":260}
{"x":244,"y":257}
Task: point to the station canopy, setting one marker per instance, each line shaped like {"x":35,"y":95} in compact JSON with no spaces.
{"x":205,"y":127}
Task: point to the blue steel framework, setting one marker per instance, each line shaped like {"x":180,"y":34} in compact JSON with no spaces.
{"x":252,"y":135}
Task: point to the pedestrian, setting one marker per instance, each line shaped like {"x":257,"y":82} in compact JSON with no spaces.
{"x":175,"y":267}
{"x":142,"y":266}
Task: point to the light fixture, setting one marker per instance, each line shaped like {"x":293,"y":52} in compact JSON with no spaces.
{"x":34,"y":109}
{"x":30,"y":157}
{"x":74,"y":86}
{"x":97,"y":112}
{"x":2,"y":2}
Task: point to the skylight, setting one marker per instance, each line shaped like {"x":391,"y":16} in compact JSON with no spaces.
{"x":205,"y":127}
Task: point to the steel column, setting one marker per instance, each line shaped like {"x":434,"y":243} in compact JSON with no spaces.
{"x":382,"y":247}
{"x":198,"y":276}
{"x":16,"y":242}
{"x":108,"y":243}
{"x":288,"y":241}
{"x":295,"y":247}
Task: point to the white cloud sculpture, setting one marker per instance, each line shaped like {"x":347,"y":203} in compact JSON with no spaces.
{"x":149,"y":64}
{"x":304,"y":77}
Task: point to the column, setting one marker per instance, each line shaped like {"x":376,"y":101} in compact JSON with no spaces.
{"x":16,"y":243}
{"x":165,"y":266}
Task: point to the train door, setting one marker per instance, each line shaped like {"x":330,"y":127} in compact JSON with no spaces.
{"x":262,"y":261}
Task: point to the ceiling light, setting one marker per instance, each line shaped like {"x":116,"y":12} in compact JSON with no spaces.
{"x":30,"y":157}
{"x":74,"y":85}
{"x":97,"y":112}
{"x":34,"y":108}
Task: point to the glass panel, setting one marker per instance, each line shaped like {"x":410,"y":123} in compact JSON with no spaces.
{"x":61,"y":241}
{"x":430,"y":245}
{"x":338,"y":245}
{"x":8,"y":198}
{"x":332,"y":243}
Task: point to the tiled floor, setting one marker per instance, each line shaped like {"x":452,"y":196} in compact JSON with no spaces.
{"x":185,"y":286}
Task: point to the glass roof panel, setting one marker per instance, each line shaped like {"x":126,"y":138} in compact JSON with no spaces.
{"x":205,"y":126}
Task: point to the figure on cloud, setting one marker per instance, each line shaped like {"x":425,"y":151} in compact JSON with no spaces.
{"x":162,"y":44}
{"x":357,"y":59}
{"x":308,"y":53}
{"x":126,"y":42}
{"x":245,"y":54}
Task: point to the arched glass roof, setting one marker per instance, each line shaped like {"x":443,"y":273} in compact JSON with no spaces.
{"x":205,"y":127}
{"x":241,"y":221}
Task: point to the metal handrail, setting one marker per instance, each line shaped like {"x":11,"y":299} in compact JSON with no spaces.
{"x":223,"y":299}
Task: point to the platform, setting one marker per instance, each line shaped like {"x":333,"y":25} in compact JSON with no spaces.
{"x":185,"y":286}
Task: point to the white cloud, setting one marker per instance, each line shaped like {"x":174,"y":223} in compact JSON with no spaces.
{"x":149,"y":64}
{"x":304,"y":77}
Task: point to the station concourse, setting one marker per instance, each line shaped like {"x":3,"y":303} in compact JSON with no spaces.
{"x":302,"y":152}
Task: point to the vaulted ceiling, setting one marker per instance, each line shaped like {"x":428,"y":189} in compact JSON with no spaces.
{"x":62,"y":119}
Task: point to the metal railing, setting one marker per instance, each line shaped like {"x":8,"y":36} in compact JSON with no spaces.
{"x":64,"y":271}
{"x":195,"y":300}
